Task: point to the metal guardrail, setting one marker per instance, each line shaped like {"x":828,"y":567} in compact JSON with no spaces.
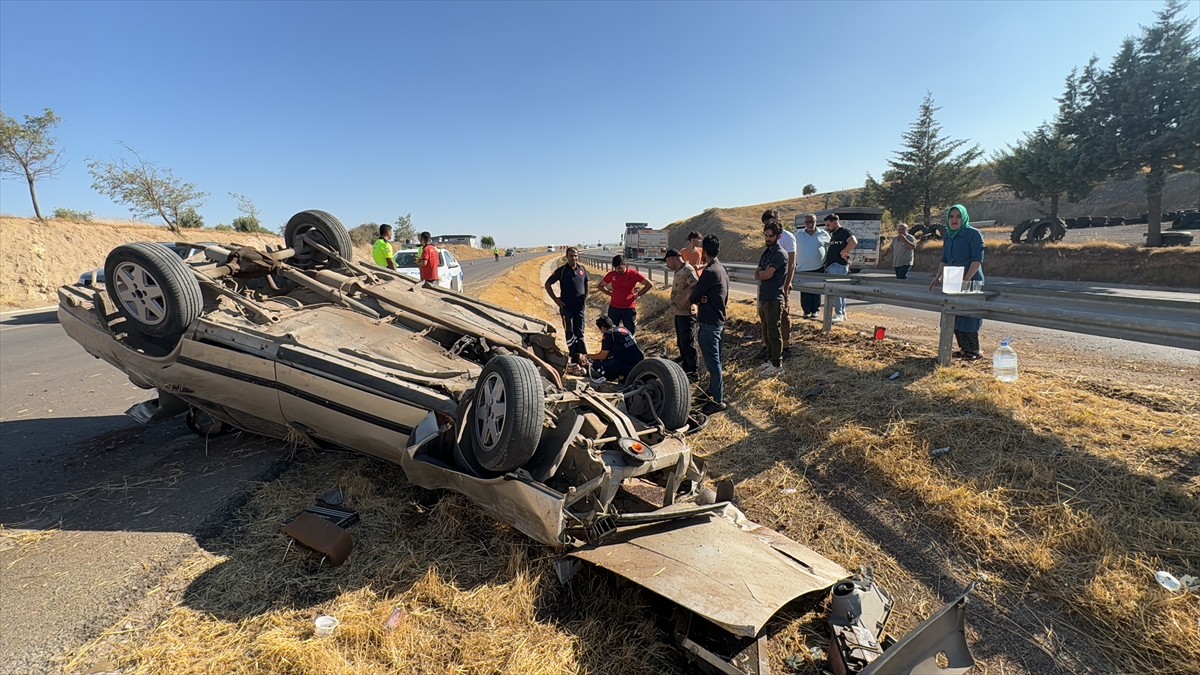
{"x":1170,"y":322}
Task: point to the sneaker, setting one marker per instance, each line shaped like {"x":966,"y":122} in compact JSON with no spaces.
{"x":771,"y":371}
{"x":787,"y":352}
{"x":838,"y":318}
{"x":713,"y":407}
{"x":764,"y":367}
{"x":693,"y":377}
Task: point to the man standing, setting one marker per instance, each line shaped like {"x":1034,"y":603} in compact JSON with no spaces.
{"x":428,"y":261}
{"x":624,"y":286}
{"x":382,"y":251}
{"x":903,"y":247}
{"x":692,"y":254}
{"x":572,"y":280}
{"x":684,"y":311}
{"x":770,"y":275}
{"x":787,"y":242}
{"x":711,"y":295}
{"x":837,"y":258}
{"x":811,"y":245}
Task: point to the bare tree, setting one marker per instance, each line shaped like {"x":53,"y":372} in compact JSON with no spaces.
{"x":145,"y":188}
{"x":27,"y":151}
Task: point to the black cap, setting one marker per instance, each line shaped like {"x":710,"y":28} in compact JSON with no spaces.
{"x":671,"y":253}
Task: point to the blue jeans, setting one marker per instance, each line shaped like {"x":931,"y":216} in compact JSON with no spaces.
{"x":710,"y":347}
{"x":624,"y":316}
{"x":839,"y":302}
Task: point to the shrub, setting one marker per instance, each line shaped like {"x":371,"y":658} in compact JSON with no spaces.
{"x":224,"y":228}
{"x":190,"y":219}
{"x":249,"y":224}
{"x":72,"y":214}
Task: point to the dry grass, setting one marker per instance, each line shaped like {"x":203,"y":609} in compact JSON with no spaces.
{"x":1064,"y":497}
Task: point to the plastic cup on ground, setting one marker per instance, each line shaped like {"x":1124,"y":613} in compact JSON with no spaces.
{"x":324,"y":626}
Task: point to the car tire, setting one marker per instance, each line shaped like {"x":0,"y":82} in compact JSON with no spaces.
{"x":1019,"y":231}
{"x":321,"y":226}
{"x":667,"y":385}
{"x":508,"y":414}
{"x":152,"y":288}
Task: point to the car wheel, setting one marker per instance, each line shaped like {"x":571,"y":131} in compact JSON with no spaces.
{"x":322,"y":227}
{"x":508,"y":414}
{"x":152,"y":288}
{"x":658,"y":387}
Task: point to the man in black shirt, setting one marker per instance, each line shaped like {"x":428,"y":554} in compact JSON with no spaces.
{"x":771,"y":276}
{"x":619,"y":352}
{"x":837,"y":258}
{"x":572,"y":280}
{"x":711,"y":295}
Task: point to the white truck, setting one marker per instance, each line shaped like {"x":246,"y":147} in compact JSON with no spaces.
{"x":646,"y":244}
{"x":865,"y":224}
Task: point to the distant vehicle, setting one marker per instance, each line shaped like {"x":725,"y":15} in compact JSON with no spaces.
{"x":184,"y":251}
{"x":550,"y":249}
{"x":450,"y":273}
{"x":509,"y":252}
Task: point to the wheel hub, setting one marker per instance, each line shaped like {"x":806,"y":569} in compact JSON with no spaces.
{"x":140,"y":293}
{"x":490,"y":412}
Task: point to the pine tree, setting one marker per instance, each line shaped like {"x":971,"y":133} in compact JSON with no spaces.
{"x":1141,"y":116}
{"x":927,"y":172}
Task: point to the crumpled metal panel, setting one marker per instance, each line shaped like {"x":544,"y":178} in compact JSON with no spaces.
{"x":721,"y":566}
{"x":940,"y":637}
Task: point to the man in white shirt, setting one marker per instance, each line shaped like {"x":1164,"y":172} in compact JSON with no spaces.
{"x":811,"y":245}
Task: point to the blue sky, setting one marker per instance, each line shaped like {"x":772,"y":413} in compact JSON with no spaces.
{"x":543,"y":122}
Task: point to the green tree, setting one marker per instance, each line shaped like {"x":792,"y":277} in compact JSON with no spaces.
{"x":1141,"y":116}
{"x":27,"y":151}
{"x":1044,"y":165}
{"x":404,"y":229}
{"x":487,"y":242}
{"x":809,"y":189}
{"x":146,"y":189}
{"x":927,"y":173}
{"x":871,"y":192}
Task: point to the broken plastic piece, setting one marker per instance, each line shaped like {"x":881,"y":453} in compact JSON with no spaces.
{"x":894,"y":376}
{"x":315,"y":533}
{"x":1167,"y":580}
{"x":939,"y":452}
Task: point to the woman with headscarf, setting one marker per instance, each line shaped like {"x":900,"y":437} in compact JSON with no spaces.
{"x":962,"y":246}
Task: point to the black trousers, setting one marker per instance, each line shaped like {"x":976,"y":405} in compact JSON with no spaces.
{"x":810,"y":303}
{"x":573,"y":327}
{"x":686,"y":329}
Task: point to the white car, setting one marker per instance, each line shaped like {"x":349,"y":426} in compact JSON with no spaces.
{"x":450,"y":273}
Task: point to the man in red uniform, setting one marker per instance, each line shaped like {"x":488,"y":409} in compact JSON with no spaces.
{"x":428,"y":261}
{"x":624,"y":286}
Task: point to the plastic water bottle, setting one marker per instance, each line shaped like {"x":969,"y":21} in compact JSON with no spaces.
{"x":1004,"y":363}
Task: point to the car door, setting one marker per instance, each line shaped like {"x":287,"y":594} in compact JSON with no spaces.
{"x":453,"y":272}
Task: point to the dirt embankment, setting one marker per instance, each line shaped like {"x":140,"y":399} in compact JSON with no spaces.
{"x":41,"y":256}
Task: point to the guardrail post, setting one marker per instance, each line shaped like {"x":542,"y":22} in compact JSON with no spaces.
{"x":946,"y":338}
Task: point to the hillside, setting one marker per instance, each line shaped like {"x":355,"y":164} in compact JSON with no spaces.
{"x":40,"y":257}
{"x":740,"y":229}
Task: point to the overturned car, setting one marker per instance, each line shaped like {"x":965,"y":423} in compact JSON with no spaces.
{"x":303,"y":343}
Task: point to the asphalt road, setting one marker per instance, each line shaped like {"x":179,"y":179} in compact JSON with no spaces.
{"x":96,"y":509}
